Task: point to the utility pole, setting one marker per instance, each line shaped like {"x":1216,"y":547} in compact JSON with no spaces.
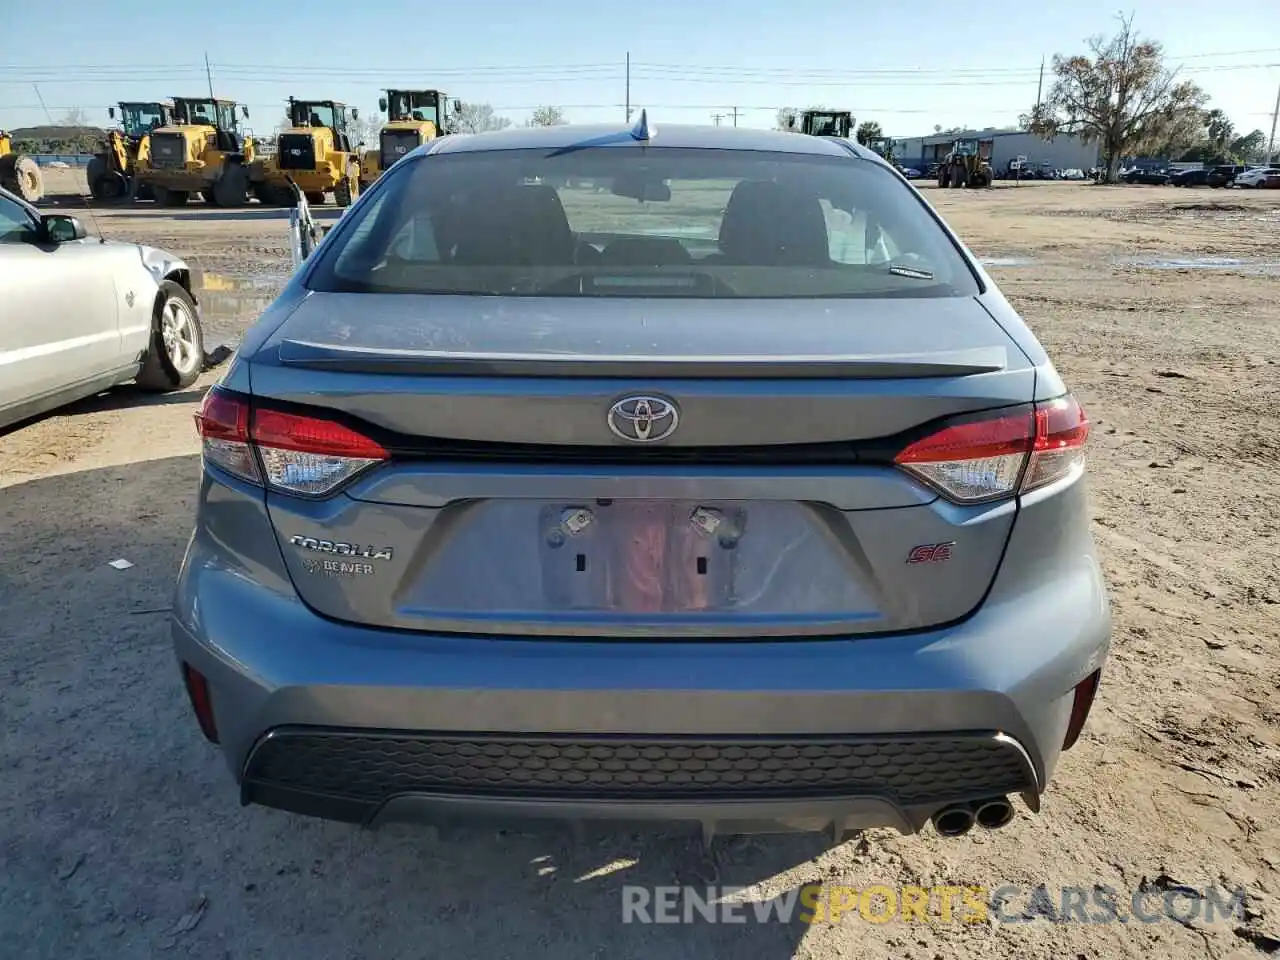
{"x":717,"y":117}
{"x":1039,"y":90}
{"x":735,"y":116}
{"x":628,"y":86}
{"x":49,"y":117}
{"x":1271,"y":144}
{"x":208,"y":74}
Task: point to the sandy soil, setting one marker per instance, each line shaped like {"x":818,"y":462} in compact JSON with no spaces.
{"x":122,"y":836}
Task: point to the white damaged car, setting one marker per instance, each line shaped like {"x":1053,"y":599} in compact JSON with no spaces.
{"x":82,"y":314}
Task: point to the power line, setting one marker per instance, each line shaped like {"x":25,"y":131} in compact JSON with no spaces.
{"x":198,"y":66}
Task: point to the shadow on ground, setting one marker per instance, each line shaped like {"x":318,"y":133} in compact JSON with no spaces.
{"x":122,"y":397}
{"x":123,"y":831}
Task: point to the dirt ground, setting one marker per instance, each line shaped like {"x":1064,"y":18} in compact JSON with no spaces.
{"x":122,"y":836}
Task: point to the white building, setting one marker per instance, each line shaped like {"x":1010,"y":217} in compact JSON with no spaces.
{"x":1001,"y":147}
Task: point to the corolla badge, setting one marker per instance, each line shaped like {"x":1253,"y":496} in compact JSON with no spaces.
{"x":643,"y":419}
{"x":341,"y":549}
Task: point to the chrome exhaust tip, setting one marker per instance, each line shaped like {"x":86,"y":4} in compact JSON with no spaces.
{"x":953,"y":821}
{"x":994,"y":813}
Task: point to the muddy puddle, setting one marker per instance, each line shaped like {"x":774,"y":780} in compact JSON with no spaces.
{"x":229,"y":303}
{"x":1270,"y":268}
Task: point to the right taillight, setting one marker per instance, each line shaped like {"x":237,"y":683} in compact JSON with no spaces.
{"x":1061,"y":431}
{"x":296,"y":453}
{"x":992,"y":456}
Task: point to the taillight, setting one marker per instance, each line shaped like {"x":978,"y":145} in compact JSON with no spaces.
{"x":309,"y":455}
{"x":223,"y":423}
{"x":976,"y":459}
{"x":299,"y":453}
{"x":1061,"y":431}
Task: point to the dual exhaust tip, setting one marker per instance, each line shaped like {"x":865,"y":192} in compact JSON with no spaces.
{"x":959,"y":818}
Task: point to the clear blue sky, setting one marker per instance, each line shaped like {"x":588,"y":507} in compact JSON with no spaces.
{"x":908,"y":66}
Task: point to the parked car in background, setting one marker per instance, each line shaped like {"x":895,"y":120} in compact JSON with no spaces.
{"x":1222,"y":176}
{"x":758,"y":512}
{"x":83,"y":314}
{"x":1190,"y":178}
{"x":911,"y":173}
{"x":1270,"y":182}
{"x":1252,"y":179}
{"x":1157,"y":178}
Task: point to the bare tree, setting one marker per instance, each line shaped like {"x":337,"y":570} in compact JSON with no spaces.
{"x":478,"y":118}
{"x":75,"y":117}
{"x":868,"y":130}
{"x":1121,"y":96}
{"x":547,"y":117}
{"x":366,"y":130}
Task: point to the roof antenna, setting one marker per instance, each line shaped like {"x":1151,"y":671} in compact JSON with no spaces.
{"x":643,"y":130}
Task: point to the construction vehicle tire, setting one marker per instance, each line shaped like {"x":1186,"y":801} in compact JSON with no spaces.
{"x":315,"y":198}
{"x":95,"y":175}
{"x":232,"y":188}
{"x":345,"y":193}
{"x":20,"y":175}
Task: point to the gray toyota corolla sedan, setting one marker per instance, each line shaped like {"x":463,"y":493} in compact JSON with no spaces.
{"x":683,"y":474}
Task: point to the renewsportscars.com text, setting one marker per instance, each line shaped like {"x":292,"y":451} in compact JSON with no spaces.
{"x":883,"y":903}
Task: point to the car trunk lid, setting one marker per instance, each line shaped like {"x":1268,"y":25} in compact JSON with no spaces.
{"x":509,"y":505}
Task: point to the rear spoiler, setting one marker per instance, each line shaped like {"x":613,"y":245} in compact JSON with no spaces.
{"x":349,"y":359}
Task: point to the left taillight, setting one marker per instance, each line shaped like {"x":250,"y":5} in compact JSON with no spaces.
{"x":974,"y":459}
{"x":223,"y":424}
{"x":291,"y":452}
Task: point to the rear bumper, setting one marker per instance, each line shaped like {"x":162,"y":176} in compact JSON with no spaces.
{"x":748,"y":783}
{"x":282,"y":677}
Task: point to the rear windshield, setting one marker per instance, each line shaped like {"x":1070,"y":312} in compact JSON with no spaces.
{"x":661,"y":222}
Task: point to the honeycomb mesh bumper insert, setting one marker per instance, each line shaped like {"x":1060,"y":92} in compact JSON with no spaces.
{"x":371,"y":767}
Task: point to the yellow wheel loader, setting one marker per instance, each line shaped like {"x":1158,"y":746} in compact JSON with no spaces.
{"x":315,"y":152}
{"x":965,"y":166}
{"x":111,"y":170}
{"x":200,"y":151}
{"x":413,"y":118}
{"x":19,"y":174}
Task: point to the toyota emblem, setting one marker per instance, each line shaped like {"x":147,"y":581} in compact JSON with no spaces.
{"x":643,"y":419}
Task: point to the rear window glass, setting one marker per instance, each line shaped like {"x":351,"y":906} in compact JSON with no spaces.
{"x":661,"y":222}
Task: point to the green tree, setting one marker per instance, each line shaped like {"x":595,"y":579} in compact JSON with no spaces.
{"x":1121,"y":96}
{"x":1219,"y":128}
{"x":1250,"y":148}
{"x":868,"y":130}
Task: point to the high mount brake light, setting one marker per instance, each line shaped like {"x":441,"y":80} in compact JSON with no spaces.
{"x":295,"y":453}
{"x":973,"y":460}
